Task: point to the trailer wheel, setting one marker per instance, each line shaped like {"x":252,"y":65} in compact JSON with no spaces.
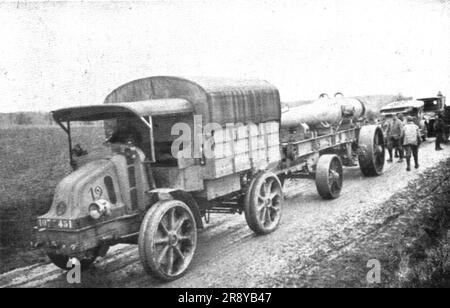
{"x":167,"y":240}
{"x":329,"y":176}
{"x":372,"y":150}
{"x":263,"y":203}
{"x":61,"y":260}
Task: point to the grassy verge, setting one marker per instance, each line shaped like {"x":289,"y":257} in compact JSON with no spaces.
{"x":420,"y":253}
{"x":32,"y":162}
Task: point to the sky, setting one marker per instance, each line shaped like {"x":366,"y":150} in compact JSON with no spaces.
{"x":59,"y":54}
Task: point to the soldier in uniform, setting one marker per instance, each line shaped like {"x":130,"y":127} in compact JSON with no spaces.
{"x":439,"y":129}
{"x":394,"y":135}
{"x":411,"y":142}
{"x":402,"y":119}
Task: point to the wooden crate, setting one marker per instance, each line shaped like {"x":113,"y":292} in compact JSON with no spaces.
{"x":243,"y":147}
{"x":215,"y":188}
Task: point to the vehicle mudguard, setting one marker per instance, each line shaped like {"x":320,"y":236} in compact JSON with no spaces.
{"x":160,"y":194}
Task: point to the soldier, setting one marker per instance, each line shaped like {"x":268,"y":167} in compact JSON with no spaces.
{"x":402,"y":118}
{"x":385,"y":125}
{"x":126,"y":133}
{"x":411,"y":143}
{"x":394,"y":135}
{"x":439,"y":129}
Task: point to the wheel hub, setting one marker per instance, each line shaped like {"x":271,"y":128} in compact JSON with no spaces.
{"x":334,"y":176}
{"x":379,"y":149}
{"x":173,"y":239}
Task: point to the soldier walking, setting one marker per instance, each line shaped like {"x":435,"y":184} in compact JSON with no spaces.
{"x":411,"y":143}
{"x":439,"y":129}
{"x":394,"y":135}
{"x":402,"y":119}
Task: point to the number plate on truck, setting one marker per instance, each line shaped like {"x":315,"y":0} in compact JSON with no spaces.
{"x":55,"y":223}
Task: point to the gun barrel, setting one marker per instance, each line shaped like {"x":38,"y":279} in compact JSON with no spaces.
{"x":324,"y":111}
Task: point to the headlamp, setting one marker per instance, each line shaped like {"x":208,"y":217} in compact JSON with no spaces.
{"x":99,"y":208}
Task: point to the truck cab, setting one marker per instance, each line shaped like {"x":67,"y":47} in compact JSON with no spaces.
{"x":102,"y":201}
{"x":432,"y":107}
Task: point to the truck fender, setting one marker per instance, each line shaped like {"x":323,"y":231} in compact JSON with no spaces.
{"x":161,"y":194}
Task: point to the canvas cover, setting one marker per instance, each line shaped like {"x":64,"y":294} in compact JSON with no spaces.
{"x":218,"y":100}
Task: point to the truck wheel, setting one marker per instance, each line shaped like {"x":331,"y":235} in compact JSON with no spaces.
{"x":372,"y":150}
{"x":62,"y":260}
{"x":263,"y":203}
{"x":329,"y":176}
{"x":167,"y":240}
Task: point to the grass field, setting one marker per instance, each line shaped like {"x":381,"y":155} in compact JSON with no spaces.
{"x":32,"y":162}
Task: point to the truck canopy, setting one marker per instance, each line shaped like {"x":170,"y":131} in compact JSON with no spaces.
{"x":218,"y":100}
{"x":122,"y":110}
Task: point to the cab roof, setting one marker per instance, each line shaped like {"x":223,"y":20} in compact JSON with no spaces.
{"x":143,"y":108}
{"x":430,"y":98}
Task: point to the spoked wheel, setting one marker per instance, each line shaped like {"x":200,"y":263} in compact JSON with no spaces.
{"x":329,"y":176}
{"x":372,"y":150}
{"x":263,"y":203}
{"x":167,"y":240}
{"x":62,"y":261}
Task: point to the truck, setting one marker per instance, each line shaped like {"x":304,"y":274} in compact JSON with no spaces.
{"x":410,"y":107}
{"x":178,"y":150}
{"x":432,"y":107}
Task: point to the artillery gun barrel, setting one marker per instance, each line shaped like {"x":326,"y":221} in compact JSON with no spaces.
{"x":322,"y":112}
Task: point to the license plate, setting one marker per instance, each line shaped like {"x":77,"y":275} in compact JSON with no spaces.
{"x":55,"y":223}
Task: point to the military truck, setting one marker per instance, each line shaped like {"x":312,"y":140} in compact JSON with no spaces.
{"x":432,"y":107}
{"x":149,"y":185}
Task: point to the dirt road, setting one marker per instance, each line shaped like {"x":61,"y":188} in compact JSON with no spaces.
{"x":230,"y":255}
